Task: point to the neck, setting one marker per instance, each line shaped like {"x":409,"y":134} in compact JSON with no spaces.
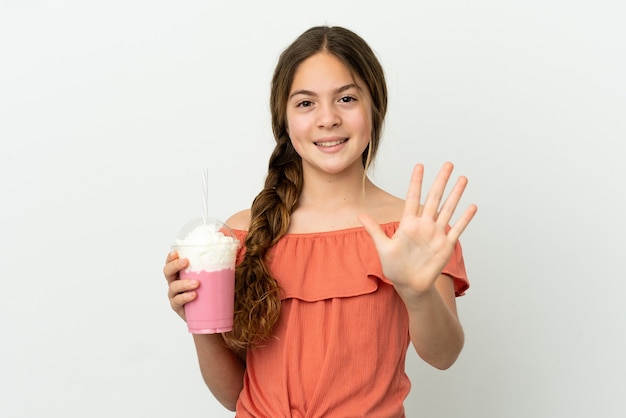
{"x":346,"y":188}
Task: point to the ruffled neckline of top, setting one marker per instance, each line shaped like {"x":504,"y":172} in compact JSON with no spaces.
{"x":324,"y":265}
{"x":337,"y":263}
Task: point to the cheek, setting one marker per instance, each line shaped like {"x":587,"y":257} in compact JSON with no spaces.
{"x":295,"y":127}
{"x":365,"y":122}
{"x":296,"y":145}
{"x":291,"y":123}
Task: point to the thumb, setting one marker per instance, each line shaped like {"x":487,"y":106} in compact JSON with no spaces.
{"x":373,"y":229}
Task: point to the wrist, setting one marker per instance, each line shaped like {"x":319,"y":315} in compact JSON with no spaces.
{"x":416,"y":298}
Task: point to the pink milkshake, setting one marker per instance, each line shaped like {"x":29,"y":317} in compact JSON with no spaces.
{"x":211,"y":249}
{"x":212,"y":311}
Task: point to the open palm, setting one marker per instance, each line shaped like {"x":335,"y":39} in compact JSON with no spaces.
{"x":415,"y":255}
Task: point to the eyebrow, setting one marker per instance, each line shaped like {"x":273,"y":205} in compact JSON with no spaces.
{"x":311,"y":93}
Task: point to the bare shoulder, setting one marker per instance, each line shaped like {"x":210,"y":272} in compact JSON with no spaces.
{"x":240,"y":220}
{"x":385,"y":207}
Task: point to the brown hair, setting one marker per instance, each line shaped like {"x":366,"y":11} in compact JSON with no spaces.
{"x":257,"y":293}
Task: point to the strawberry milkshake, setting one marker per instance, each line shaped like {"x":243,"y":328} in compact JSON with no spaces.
{"x":211,"y":249}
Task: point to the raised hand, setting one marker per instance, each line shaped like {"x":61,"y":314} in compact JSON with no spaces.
{"x":424,"y":241}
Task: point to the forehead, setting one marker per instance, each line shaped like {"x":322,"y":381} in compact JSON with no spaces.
{"x":324,"y":71}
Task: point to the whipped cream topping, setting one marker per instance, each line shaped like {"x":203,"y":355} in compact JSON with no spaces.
{"x":208,"y":249}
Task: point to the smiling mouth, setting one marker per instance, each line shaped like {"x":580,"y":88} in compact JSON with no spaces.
{"x":330,"y":143}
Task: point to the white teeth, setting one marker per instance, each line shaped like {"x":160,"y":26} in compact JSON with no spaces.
{"x":330,"y":143}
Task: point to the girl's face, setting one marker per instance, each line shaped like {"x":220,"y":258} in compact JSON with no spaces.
{"x":329,"y":115}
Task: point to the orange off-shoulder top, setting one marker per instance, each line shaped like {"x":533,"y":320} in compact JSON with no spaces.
{"x":339,"y":347}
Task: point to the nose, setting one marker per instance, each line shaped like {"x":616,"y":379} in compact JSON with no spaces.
{"x":328,"y":116}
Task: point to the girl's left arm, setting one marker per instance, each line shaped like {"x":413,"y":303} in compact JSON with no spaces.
{"x":434,"y":326}
{"x":414,"y":258}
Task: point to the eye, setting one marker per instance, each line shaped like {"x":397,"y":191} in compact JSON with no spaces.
{"x":304,"y":103}
{"x":347,"y":99}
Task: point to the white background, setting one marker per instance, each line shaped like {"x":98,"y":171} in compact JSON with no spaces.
{"x":109,"y":111}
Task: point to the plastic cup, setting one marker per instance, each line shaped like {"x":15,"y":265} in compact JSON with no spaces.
{"x":211,"y":248}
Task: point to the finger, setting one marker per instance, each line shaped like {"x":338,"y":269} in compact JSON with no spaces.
{"x":435,"y":194}
{"x":171,"y":269}
{"x":171,"y":256}
{"x":181,"y":286}
{"x":451,"y":202}
{"x":178,"y":302}
{"x":373,"y":229}
{"x":413,"y":196}
{"x":457,"y":229}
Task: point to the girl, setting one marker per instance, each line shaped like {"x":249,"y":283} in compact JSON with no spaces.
{"x":337,"y":277}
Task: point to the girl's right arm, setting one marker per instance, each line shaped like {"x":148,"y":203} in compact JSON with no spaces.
{"x":222,"y":369}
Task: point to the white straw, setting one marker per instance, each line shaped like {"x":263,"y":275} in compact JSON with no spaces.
{"x":205,"y":195}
